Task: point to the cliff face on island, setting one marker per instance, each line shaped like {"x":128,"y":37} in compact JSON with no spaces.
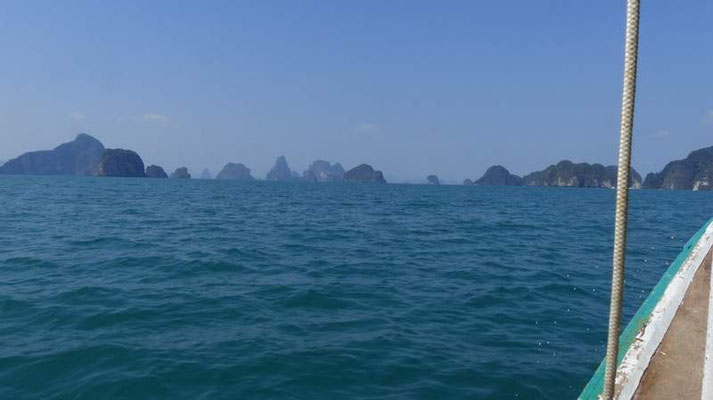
{"x":121,"y":163}
{"x":181,"y":173}
{"x":364,"y":173}
{"x":236,"y":172}
{"x":563,"y":174}
{"x":87,"y":156}
{"x":498,"y":175}
{"x":568,"y":174}
{"x":323,"y":171}
{"x":154,"y":171}
{"x":281,"y":171}
{"x":694,"y":172}
{"x":78,"y":157}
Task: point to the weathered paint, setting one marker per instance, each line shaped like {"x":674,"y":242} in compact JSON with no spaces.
{"x":637,"y":358}
{"x":644,"y":315}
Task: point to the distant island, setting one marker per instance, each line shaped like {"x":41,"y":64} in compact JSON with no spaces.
{"x":235,"y":172}
{"x":121,"y":163}
{"x":281,"y":171}
{"x":181,"y":173}
{"x":154,"y":171}
{"x":87,"y":156}
{"x":318,"y":171}
{"x":694,"y":172}
{"x":497,"y":175}
{"x":433,"y":180}
{"x":364,"y":173}
{"x":78,"y":157}
{"x":324,"y":171}
{"x":563,"y":174}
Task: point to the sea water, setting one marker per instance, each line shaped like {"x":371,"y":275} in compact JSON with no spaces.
{"x":168,"y":289}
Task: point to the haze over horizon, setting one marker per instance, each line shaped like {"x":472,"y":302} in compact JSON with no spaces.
{"x":411,"y":87}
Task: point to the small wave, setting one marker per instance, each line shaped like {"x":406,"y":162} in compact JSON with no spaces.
{"x":317,"y":299}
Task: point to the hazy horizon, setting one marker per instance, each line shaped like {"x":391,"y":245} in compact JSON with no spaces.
{"x":411,"y":88}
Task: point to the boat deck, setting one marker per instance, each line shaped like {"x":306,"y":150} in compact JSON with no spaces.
{"x":676,"y":368}
{"x":666,"y":350}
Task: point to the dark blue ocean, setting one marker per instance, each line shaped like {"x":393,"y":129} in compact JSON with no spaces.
{"x":168,"y":289}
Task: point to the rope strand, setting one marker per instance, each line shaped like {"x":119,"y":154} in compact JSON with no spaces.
{"x":622,"y":195}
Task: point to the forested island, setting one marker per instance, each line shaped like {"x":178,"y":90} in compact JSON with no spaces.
{"x":87,"y":156}
{"x":694,"y":172}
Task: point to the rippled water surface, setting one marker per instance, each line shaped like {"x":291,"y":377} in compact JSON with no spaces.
{"x":131,"y":288}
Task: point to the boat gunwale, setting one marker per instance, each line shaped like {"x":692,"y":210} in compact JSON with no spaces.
{"x":643,"y":317}
{"x":707,"y":389}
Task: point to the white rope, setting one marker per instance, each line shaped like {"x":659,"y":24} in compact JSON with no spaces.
{"x":622,"y":194}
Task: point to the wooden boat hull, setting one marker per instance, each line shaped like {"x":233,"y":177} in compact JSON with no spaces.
{"x":672,"y":324}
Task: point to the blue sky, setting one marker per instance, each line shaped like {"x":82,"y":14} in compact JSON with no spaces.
{"x":411,"y":87}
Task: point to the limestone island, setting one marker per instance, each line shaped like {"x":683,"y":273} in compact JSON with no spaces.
{"x":154,"y":171}
{"x":694,"y":172}
{"x":364,"y":173}
{"x":181,"y":173}
{"x":563,"y":174}
{"x":323,"y":171}
{"x":235,"y":172}
{"x":281,"y":172}
{"x":121,"y":163}
{"x":84,"y":156}
{"x":497,"y":175}
{"x":78,"y":157}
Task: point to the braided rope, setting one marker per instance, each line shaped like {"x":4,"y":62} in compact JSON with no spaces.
{"x":622,"y":194}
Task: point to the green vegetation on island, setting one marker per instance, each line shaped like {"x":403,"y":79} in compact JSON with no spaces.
{"x":235,"y":172}
{"x":364,"y":173}
{"x":181,"y":173}
{"x":121,"y":163}
{"x":694,"y":172}
{"x":78,"y":157}
{"x":154,"y":171}
{"x":563,"y":174}
{"x":87,"y":156}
